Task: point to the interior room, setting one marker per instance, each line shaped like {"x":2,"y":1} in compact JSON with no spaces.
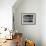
{"x":22,"y":22}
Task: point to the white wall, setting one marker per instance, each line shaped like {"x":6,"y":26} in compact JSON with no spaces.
{"x":43,"y":22}
{"x":6,"y":13}
{"x":30,"y":31}
{"x":36,"y":32}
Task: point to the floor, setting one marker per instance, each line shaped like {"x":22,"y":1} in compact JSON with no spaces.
{"x":9,"y":43}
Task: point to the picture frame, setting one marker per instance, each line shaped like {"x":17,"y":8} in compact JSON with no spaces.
{"x":28,"y":18}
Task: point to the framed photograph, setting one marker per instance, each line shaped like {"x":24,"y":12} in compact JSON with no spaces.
{"x":28,"y":18}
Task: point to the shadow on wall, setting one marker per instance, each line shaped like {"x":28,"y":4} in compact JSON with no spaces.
{"x":17,"y":4}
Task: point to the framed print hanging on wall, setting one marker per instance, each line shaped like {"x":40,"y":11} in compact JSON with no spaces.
{"x":28,"y":18}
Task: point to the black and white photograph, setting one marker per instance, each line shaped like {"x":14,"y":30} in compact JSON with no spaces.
{"x":28,"y":18}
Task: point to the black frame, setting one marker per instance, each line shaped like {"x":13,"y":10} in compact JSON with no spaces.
{"x":28,"y":23}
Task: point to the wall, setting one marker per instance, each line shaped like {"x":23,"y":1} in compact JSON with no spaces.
{"x":29,"y":31}
{"x":43,"y":22}
{"x":6,"y":13}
